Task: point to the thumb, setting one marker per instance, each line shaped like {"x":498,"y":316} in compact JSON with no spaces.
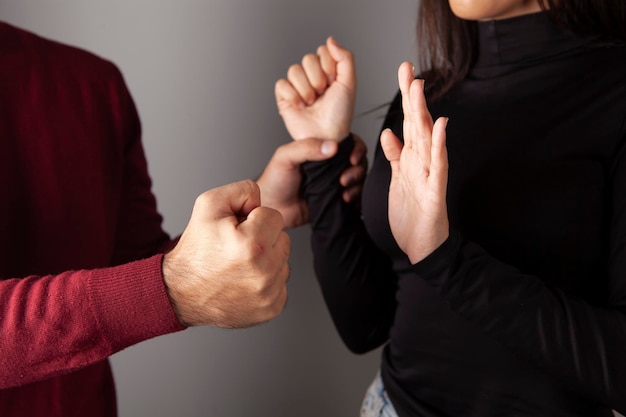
{"x":237,"y":199}
{"x":299,"y":151}
{"x":264,"y":223}
{"x":392,"y":147}
{"x":345,"y":63}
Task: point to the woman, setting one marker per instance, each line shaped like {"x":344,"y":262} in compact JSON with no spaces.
{"x":498,"y":286}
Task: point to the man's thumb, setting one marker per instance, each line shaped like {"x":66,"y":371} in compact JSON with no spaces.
{"x":235,"y":199}
{"x":305,"y":150}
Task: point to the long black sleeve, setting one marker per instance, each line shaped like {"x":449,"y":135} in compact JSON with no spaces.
{"x":355,"y":277}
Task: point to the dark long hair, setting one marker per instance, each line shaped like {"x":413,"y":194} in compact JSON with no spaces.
{"x":447,"y":44}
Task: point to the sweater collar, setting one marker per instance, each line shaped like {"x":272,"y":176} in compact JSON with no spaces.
{"x":521,"y":40}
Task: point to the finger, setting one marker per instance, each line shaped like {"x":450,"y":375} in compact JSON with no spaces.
{"x":275,"y":298}
{"x":281,"y":281}
{"x":352,"y":175}
{"x":392,"y":147}
{"x":406,"y":75}
{"x":439,"y":155}
{"x":352,"y":194}
{"x":359,"y":152}
{"x":252,"y":193}
{"x":314,"y":73}
{"x":265,"y":225}
{"x":233,"y":200}
{"x":328,"y":63}
{"x":287,"y":95}
{"x":275,"y":262}
{"x":281,"y":299}
{"x":300,"y":82}
{"x":419,"y":105}
{"x":281,"y":250}
{"x":294,"y":153}
{"x":421,"y":125}
{"x":346,"y":74}
{"x":280,"y":262}
{"x":283,"y":245}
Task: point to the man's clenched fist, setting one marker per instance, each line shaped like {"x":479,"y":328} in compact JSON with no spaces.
{"x":230,"y":266}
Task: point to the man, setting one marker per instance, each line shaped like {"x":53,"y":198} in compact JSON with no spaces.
{"x":85,"y":267}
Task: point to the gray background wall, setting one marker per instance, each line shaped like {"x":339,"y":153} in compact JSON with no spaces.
{"x":202,"y":74}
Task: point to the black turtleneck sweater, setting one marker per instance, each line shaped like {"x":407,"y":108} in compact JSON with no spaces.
{"x":522,"y":311}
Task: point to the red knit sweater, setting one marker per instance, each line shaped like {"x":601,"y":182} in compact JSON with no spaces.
{"x":80,"y":274}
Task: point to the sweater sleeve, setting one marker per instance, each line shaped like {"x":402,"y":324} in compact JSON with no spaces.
{"x":579,"y":343}
{"x":52,"y":325}
{"x":55,"y":324}
{"x":355,"y":277}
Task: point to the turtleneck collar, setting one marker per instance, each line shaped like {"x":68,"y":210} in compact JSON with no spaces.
{"x":520,"y":40}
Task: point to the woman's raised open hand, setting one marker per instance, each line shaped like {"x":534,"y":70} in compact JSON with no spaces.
{"x":418,"y":214}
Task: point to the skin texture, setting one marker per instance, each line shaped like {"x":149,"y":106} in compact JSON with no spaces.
{"x":492,"y":9}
